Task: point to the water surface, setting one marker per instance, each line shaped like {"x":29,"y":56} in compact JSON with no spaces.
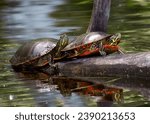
{"x":23,"y":20}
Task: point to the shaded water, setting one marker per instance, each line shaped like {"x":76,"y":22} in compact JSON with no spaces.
{"x":23,"y":20}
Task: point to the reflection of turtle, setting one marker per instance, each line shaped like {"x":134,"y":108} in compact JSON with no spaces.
{"x":39,"y":52}
{"x":91,"y":43}
{"x":114,"y":94}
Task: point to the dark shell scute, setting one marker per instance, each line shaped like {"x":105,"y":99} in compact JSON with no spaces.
{"x":32,"y":50}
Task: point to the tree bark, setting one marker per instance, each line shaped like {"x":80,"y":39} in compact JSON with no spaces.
{"x":128,"y":65}
{"x":100,"y":16}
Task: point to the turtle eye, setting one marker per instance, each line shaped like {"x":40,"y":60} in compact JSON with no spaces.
{"x":61,"y":36}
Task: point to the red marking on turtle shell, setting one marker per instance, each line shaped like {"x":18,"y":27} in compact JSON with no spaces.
{"x":110,"y":49}
{"x":89,"y":52}
{"x":107,"y":48}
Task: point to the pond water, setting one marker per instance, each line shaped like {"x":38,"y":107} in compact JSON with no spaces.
{"x":23,"y":20}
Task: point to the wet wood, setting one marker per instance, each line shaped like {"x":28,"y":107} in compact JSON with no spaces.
{"x":128,"y":65}
{"x":100,"y":16}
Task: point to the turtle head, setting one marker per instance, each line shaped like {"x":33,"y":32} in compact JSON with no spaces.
{"x":115,"y":39}
{"x":61,"y":44}
{"x":63,"y":41}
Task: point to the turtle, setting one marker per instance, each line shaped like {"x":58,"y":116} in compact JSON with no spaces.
{"x":38,"y":53}
{"x":91,"y":43}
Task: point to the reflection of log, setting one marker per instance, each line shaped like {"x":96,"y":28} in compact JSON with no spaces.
{"x":140,"y":85}
{"x":129,"y":65}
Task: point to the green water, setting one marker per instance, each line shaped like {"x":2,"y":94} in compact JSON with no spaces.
{"x":24,"y":20}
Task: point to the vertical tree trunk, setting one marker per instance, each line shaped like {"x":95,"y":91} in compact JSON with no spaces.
{"x":100,"y":16}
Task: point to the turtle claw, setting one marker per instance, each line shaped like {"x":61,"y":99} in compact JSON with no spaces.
{"x":102,"y":53}
{"x":120,"y":51}
{"x":101,"y":50}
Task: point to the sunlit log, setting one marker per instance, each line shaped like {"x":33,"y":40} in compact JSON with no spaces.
{"x":128,"y":65}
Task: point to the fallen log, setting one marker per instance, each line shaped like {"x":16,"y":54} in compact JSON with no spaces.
{"x":128,"y":65}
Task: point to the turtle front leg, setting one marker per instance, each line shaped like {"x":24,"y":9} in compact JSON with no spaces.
{"x":101,"y":50}
{"x":52,"y":69}
{"x":51,"y":62}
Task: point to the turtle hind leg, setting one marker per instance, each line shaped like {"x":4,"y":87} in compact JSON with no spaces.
{"x":120,"y":51}
{"x":101,"y":50}
{"x":52,"y":68}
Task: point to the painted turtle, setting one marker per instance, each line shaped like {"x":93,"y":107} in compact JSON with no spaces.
{"x":91,"y":43}
{"x":38,"y":53}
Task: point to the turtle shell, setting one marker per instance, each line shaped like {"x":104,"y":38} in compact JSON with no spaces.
{"x":34,"y":52}
{"x":86,"y":38}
